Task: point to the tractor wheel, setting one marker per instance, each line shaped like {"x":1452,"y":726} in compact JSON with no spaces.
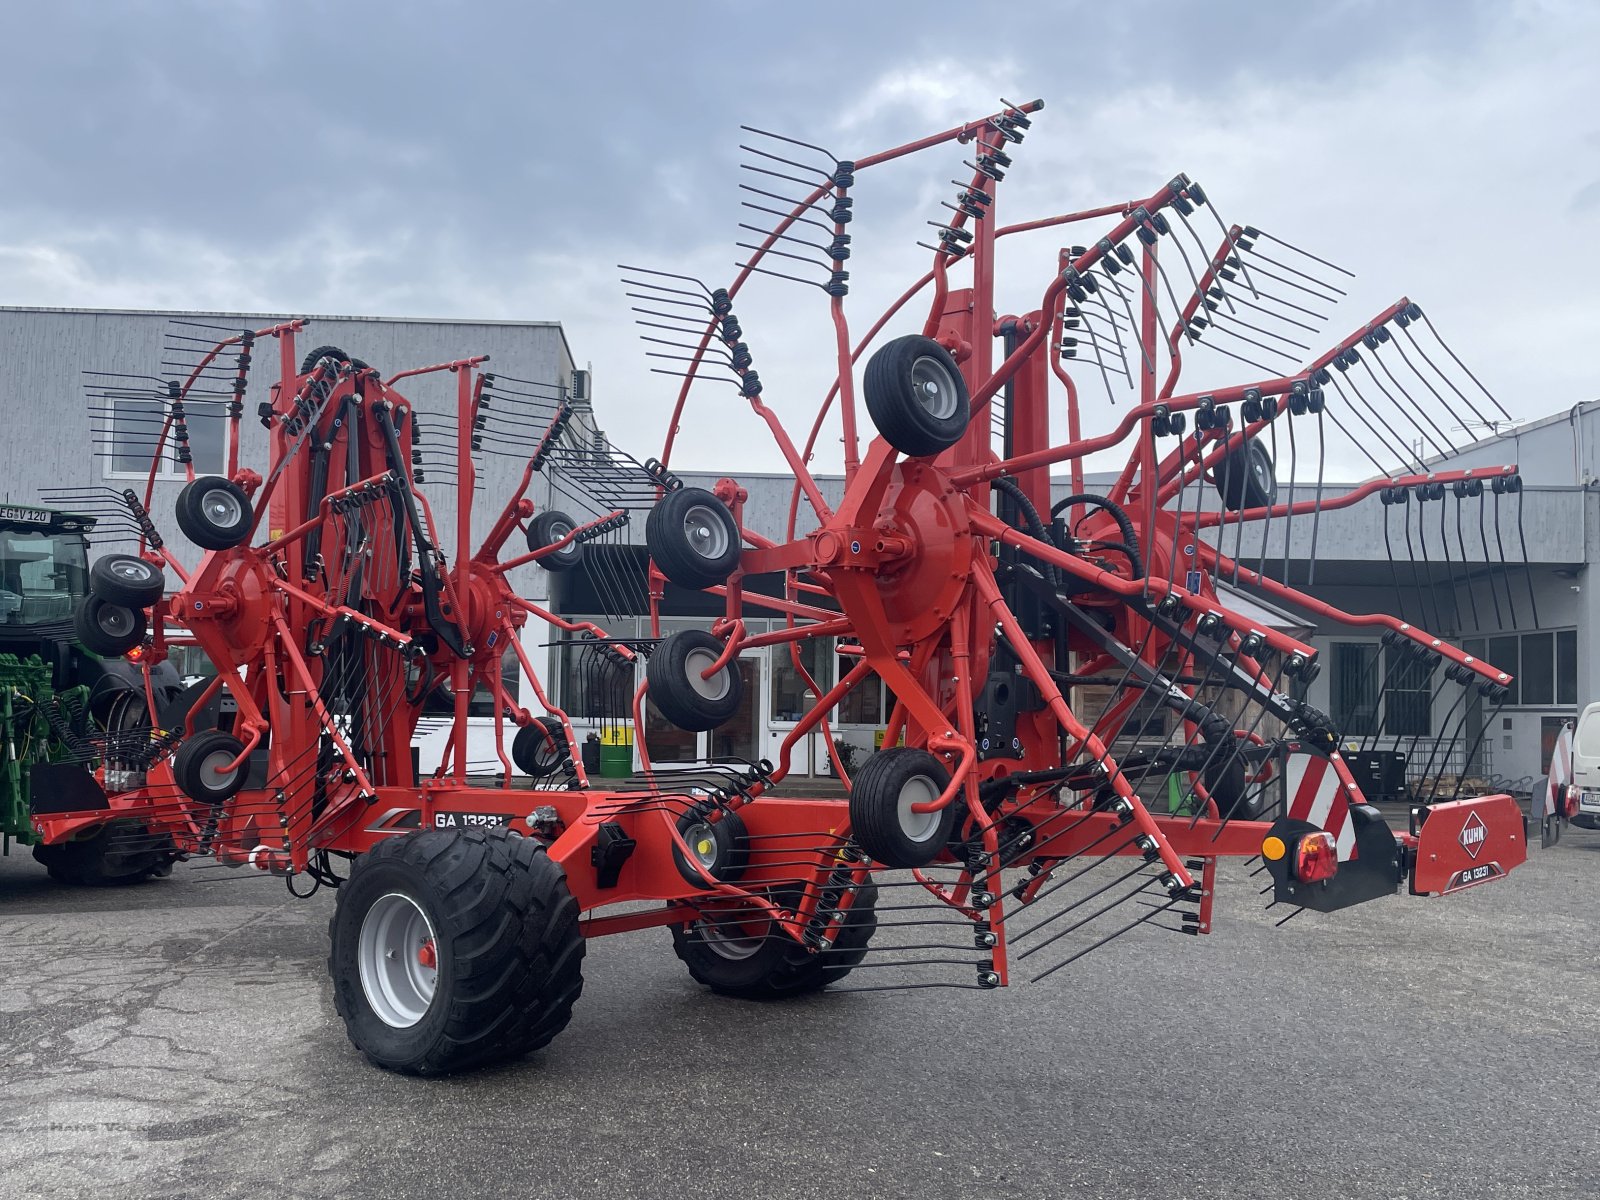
{"x":721,"y":848}
{"x":674,"y":673}
{"x":540,"y":747}
{"x":881,"y":797}
{"x":214,"y":513}
{"x":117,"y":854}
{"x":1246,"y":477}
{"x":756,"y":962}
{"x":452,"y":948}
{"x":916,"y":396}
{"x":126,"y":579}
{"x":550,"y":527}
{"x":107,"y":629}
{"x":693,"y":538}
{"x":200,"y":766}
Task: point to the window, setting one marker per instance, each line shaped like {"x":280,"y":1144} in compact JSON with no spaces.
{"x":864,"y":703}
{"x":1408,"y":695}
{"x":591,"y":684}
{"x":41,"y":575}
{"x":440,"y":701}
{"x":1538,"y":668}
{"x":1503,"y":654}
{"x":1354,"y":687}
{"x":790,"y":697}
{"x":1567,"y":666}
{"x":136,"y":431}
{"x":1543,"y":666}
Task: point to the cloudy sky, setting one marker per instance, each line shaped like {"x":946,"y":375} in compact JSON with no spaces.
{"x":497,"y":160}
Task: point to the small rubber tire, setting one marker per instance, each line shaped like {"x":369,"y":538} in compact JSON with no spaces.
{"x":127,"y":579}
{"x":117,"y":854}
{"x":550,"y":527}
{"x":1227,"y":780}
{"x":916,"y":396}
{"x":214,"y":513}
{"x":507,"y":947}
{"x":197,"y":767}
{"x":881,"y":795}
{"x":333,"y":352}
{"x":673,"y":673}
{"x":775,"y":966}
{"x":722,"y":847}
{"x":540,"y":747}
{"x":1246,"y":478}
{"x":109,"y":630}
{"x":693,"y":538}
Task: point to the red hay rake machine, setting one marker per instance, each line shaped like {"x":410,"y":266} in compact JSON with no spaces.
{"x":1083,"y":720}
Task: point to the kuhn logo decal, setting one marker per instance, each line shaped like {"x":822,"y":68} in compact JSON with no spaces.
{"x":1473,"y":834}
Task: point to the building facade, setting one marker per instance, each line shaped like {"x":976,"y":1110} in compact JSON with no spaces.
{"x":1436,"y":566}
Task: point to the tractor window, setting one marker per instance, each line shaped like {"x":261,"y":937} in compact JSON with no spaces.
{"x":41,"y":575}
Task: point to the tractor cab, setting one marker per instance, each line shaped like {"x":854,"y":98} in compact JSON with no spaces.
{"x":44,"y":569}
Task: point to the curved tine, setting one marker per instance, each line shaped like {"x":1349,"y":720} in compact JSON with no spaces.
{"x":792,"y":141}
{"x":656,"y":287}
{"x":667,"y":275}
{"x":787,"y":237}
{"x":1261,"y":233}
{"x":780,"y":213}
{"x":788,"y":162}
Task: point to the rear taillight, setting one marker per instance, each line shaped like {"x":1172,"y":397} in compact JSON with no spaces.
{"x":1316,"y":857}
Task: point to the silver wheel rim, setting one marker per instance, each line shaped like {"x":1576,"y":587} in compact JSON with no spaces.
{"x":559,"y":530}
{"x":214,"y":774}
{"x":933,"y":387}
{"x":131,"y":570}
{"x":704,"y":529}
{"x":919,"y":789}
{"x":697,"y":662}
{"x":222,"y":508}
{"x":398,"y":985}
{"x":726,"y":938}
{"x":702,"y":842}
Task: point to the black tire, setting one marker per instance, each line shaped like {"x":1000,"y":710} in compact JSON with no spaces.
{"x":507,"y":946}
{"x":775,"y":966}
{"x":109,"y":630}
{"x":916,"y":395}
{"x":214,"y":513}
{"x":673,"y":672}
{"x":693,"y":538}
{"x":198,"y":766}
{"x":549,"y":527}
{"x":1246,"y":477}
{"x":126,"y":579}
{"x":117,"y":854}
{"x":1226,"y":778}
{"x":333,"y":352}
{"x":722,"y":847}
{"x":880,"y":817}
{"x":540,"y":747}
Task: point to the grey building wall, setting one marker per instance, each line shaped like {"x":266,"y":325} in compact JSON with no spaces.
{"x":50,"y":444}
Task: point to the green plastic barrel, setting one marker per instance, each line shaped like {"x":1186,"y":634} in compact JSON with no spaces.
{"x":616,"y":762}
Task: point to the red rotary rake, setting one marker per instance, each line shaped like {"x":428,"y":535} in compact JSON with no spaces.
{"x":1084,"y":721}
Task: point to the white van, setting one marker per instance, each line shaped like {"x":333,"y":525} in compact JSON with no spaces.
{"x":1586,"y":768}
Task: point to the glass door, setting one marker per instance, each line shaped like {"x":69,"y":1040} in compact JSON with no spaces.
{"x":740,"y":735}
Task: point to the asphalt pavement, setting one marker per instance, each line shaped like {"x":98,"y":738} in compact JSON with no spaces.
{"x":178,"y":1040}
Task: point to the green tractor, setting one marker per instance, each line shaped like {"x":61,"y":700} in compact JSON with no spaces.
{"x":65,"y":711}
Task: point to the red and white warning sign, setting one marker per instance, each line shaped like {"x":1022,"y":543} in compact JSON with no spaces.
{"x":1316,"y":794}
